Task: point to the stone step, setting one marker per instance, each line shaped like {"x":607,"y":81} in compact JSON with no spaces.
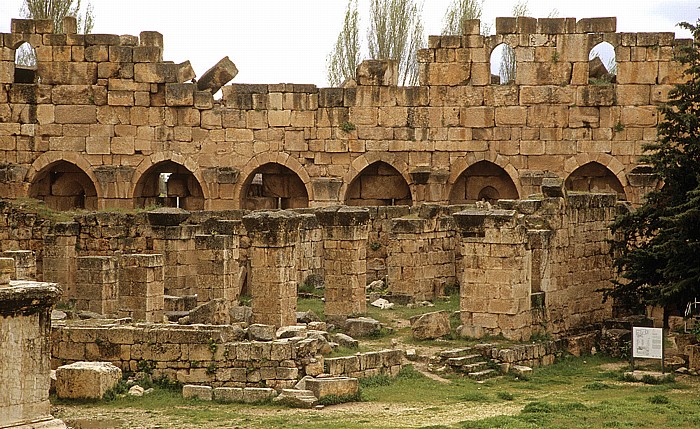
{"x":464,"y":360}
{"x":474,"y":367}
{"x":482,"y":375}
{"x":455,"y":353}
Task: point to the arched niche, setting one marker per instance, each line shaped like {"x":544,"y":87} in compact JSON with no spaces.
{"x":483,"y":181}
{"x":602,"y":65}
{"x":273,"y":186}
{"x":25,"y":64}
{"x":64,"y":186}
{"x":379,"y":184}
{"x":595,"y":177}
{"x":169,"y":184}
{"x":503,"y":64}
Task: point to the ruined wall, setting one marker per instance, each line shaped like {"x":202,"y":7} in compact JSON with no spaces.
{"x":212,"y":355}
{"x":105,"y":122}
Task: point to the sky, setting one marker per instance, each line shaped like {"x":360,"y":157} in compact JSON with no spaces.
{"x":288,"y":41}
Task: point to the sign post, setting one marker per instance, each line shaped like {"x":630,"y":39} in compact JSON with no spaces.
{"x":648,"y":343}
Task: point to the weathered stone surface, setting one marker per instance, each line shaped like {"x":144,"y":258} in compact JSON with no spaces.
{"x":333,"y":386}
{"x":430,"y":325}
{"x":217,"y":76}
{"x":89,"y":380}
{"x":241,"y":313}
{"x":345,"y":340}
{"x":291,"y":331}
{"x":259,"y":332}
{"x":297,"y":398}
{"x":228,"y":394}
{"x":252,"y":395}
{"x":214,"y":312}
{"x":203,"y":393}
{"x":362,"y":327}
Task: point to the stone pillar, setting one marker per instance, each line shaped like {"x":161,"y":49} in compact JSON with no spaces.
{"x":177,"y":245}
{"x":141,"y":287}
{"x":96,"y":284}
{"x":7,"y":271}
{"x":344,"y":260}
{"x":310,"y":251}
{"x":60,"y":253}
{"x":25,"y":263}
{"x":273,"y":276}
{"x":217,"y":267}
{"x":25,"y":355}
{"x":495,"y":274}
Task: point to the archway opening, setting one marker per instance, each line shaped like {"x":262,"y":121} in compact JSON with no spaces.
{"x":273,"y":186}
{"x":595,"y":177}
{"x":602,"y":65}
{"x":25,"y":64}
{"x":503,"y":64}
{"x":379,"y":184}
{"x":169,"y":184}
{"x":64,"y":186}
{"x":483,"y":181}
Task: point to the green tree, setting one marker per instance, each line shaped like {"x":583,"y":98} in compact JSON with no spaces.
{"x":55,"y":10}
{"x":345,"y":57}
{"x":507,"y":67}
{"x":458,"y":12}
{"x":396,"y":33}
{"x":656,"y":248}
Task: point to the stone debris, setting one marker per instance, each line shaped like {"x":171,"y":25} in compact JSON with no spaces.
{"x":86,"y":380}
{"x":375,"y":286}
{"x":307,"y":317}
{"x":382,"y":304}
{"x":345,"y":340}
{"x":297,"y":398}
{"x":217,"y":76}
{"x":136,"y":391}
{"x":260,"y":332}
{"x":291,"y":331}
{"x":430,"y":326}
{"x":214,"y":312}
{"x":241,"y":314}
{"x":362,"y":327}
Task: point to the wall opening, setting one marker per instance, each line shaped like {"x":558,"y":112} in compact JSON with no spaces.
{"x":379,"y":184}
{"x":274,"y":186}
{"x":25,"y":64}
{"x":595,"y":177}
{"x":602,"y":66}
{"x":503,"y":65}
{"x":64,"y":186}
{"x":483,"y":181}
{"x":169,"y":184}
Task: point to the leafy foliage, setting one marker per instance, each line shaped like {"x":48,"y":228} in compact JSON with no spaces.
{"x":460,"y":11}
{"x":56,"y":10}
{"x":345,"y":57}
{"x":657,"y":246}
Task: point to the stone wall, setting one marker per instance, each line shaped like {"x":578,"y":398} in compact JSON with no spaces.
{"x":25,"y":324}
{"x":105,"y":122}
{"x":199,"y":354}
{"x":363,"y":365}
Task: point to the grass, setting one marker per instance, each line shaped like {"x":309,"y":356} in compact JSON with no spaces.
{"x":574,"y":393}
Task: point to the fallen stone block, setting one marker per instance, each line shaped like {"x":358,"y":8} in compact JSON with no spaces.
{"x":214,"y":312}
{"x":219,"y":75}
{"x":362,"y":327}
{"x":307,"y":317}
{"x":429,"y":326}
{"x":291,"y":332}
{"x":382,"y":304}
{"x":346,"y":341}
{"x":241,"y":313}
{"x":136,"y":390}
{"x":520,"y":370}
{"x":228,"y":394}
{"x":87,"y":380}
{"x":258,"y":394}
{"x":333,"y":386}
{"x":297,"y":398}
{"x":203,"y":393}
{"x":260,"y":332}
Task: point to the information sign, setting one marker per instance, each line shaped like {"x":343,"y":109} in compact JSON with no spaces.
{"x":647,"y":343}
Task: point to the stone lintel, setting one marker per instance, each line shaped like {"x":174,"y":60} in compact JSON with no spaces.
{"x":343,"y":216}
{"x":272,"y":228}
{"x":27,"y":297}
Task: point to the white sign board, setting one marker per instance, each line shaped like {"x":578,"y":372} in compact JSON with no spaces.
{"x":647,"y":343}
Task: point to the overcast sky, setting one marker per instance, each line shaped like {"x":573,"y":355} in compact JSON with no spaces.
{"x":288,"y":41}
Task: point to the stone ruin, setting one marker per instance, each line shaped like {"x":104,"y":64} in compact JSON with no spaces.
{"x":505,"y":191}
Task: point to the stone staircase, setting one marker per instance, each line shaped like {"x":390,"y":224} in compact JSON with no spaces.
{"x":467,"y":361}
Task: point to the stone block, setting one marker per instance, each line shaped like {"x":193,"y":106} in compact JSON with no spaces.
{"x":147,"y":54}
{"x":7,"y":271}
{"x":362,"y":327}
{"x":430,"y":325}
{"x":203,"y":393}
{"x":151,"y":38}
{"x":228,"y":394}
{"x":297,"y":398}
{"x":377,"y":72}
{"x":89,"y":380}
{"x":75,"y":114}
{"x":597,"y":25}
{"x":333,"y":386}
{"x":179,"y":94}
{"x":506,"y":25}
{"x":252,"y":395}
{"x":217,"y":76}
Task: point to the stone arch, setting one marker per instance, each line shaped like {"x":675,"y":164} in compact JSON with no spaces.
{"x":378,"y":184}
{"x":280,"y":158}
{"x":25,"y":63}
{"x":482,"y":180}
{"x":594,"y":177}
{"x":460,"y":166}
{"x":63,"y":182}
{"x":169,"y":180}
{"x":602,"y":64}
{"x":503,"y":64}
{"x":611,"y":164}
{"x":273,"y":186}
